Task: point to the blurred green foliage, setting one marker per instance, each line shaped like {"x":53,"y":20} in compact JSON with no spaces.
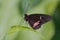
{"x":14,"y":27}
{"x":56,"y":18}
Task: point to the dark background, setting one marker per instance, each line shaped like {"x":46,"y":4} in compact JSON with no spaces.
{"x":57,"y":22}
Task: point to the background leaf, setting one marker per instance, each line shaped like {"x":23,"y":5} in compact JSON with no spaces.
{"x":12,"y":13}
{"x":57,"y":22}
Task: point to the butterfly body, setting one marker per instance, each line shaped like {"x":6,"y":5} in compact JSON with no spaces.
{"x":36,"y":20}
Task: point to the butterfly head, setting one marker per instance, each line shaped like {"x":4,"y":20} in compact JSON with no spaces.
{"x":26,"y":17}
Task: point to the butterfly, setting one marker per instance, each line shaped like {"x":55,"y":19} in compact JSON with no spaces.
{"x":36,"y":20}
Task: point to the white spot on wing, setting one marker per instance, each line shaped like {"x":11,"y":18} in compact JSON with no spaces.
{"x":40,"y":17}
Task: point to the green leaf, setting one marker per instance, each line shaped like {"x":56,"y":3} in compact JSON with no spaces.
{"x":19,"y":28}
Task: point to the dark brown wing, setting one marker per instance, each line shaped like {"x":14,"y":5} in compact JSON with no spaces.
{"x":34,"y":18}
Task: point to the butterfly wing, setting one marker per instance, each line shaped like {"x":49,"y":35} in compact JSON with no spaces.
{"x":36,"y":20}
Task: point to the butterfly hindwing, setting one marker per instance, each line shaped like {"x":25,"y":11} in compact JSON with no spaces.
{"x":36,"y":20}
